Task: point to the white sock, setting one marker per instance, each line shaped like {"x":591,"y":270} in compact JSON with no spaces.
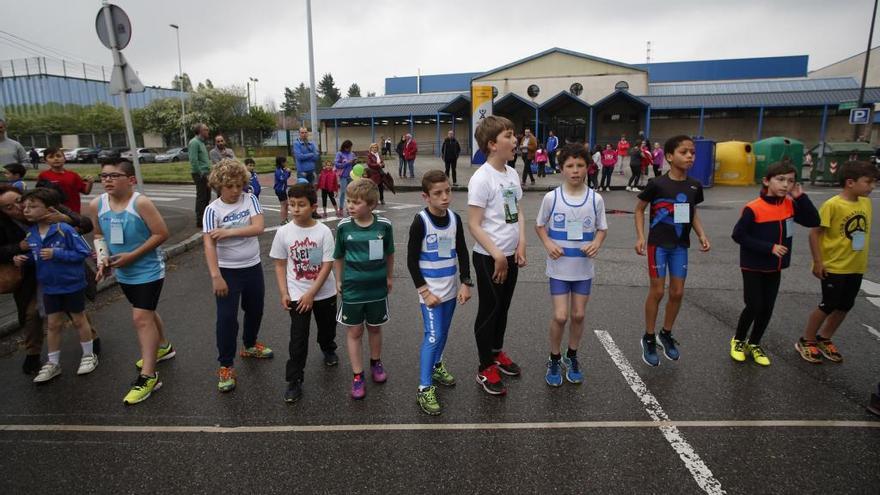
{"x":87,"y":347}
{"x":422,"y":388}
{"x":54,"y":357}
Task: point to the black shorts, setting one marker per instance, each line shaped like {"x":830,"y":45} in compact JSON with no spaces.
{"x":282,"y":195}
{"x":839,"y":291}
{"x":143,"y":296}
{"x":74,"y":302}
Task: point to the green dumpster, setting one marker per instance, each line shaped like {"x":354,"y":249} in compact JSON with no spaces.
{"x":775,"y":149}
{"x":830,"y":156}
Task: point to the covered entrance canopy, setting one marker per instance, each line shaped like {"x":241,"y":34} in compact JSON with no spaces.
{"x":522,"y":112}
{"x":617,"y":114}
{"x":566,"y":115}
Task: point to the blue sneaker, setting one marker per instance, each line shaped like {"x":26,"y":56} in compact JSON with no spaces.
{"x":554,"y":373}
{"x":667,"y":343}
{"x":573,"y":370}
{"x":649,"y":352}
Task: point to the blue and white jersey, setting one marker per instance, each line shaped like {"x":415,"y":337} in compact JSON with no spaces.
{"x":438,"y":259}
{"x":124,"y":232}
{"x":234,"y":252}
{"x":571,"y":223}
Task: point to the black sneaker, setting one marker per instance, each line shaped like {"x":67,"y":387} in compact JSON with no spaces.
{"x":31,"y":364}
{"x":294,"y":391}
{"x":668,"y":344}
{"x":96,"y":346}
{"x":330,"y":358}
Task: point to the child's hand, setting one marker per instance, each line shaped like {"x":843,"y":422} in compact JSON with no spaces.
{"x":464,"y":294}
{"x":819,"y":270}
{"x":796,"y":190}
{"x":553,"y":250}
{"x":640,"y":247}
{"x":338,"y":286}
{"x":704,"y":244}
{"x":100,"y":273}
{"x":122,"y":259}
{"x":305,"y":302}
{"x":24,"y":246}
{"x":500,"y":274}
{"x":285,"y":301}
{"x":431,"y":300}
{"x":389,"y":283}
{"x":47,"y":253}
{"x":779,"y":250}
{"x":19,"y":259}
{"x":218,"y":234}
{"x":521,"y":256}
{"x":219,"y":286}
{"x":591,"y":249}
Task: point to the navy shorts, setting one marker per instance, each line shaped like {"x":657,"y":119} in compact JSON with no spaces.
{"x":143,"y":296}
{"x":564,"y":287}
{"x":282,"y":195}
{"x":74,"y":302}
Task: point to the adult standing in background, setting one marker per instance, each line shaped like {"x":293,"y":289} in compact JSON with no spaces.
{"x":200,"y":167}
{"x":35,"y":158}
{"x":11,"y":151}
{"x":376,"y":166}
{"x":220,"y":151}
{"x":622,"y":153}
{"x":344,"y":162}
{"x":410,"y":149}
{"x":401,"y":166}
{"x":450,"y":151}
{"x":386,"y":146}
{"x":305,"y":153}
{"x":552,"y":146}
{"x":527,"y":148}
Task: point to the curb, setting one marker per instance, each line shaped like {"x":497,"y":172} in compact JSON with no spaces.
{"x":9,"y":327}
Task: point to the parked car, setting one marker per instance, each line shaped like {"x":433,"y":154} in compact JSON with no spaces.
{"x":72,"y":155}
{"x":87,"y":155}
{"x":173,"y":155}
{"x":145,"y":155}
{"x":108,"y":154}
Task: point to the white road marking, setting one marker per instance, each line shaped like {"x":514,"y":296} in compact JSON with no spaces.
{"x":561,"y":425}
{"x":873,"y":331}
{"x":875,"y":301}
{"x":872,"y":288}
{"x":692,"y":461}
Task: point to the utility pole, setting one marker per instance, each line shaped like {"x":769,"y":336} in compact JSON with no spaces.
{"x":180,"y":86}
{"x":858,"y":128}
{"x":313,"y":98}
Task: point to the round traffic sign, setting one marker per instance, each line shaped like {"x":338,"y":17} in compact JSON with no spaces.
{"x":121,"y":27}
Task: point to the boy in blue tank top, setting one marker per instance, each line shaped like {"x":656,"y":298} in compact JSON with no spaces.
{"x":571,"y":224}
{"x":128,"y":233}
{"x":436,"y":241}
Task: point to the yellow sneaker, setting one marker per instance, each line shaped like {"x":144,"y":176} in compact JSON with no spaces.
{"x":758,"y":355}
{"x":738,"y":350}
{"x":142,"y":388}
{"x":162,"y":354}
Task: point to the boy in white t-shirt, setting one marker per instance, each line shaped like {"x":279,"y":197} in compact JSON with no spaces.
{"x":231,"y":225}
{"x":303,"y":255}
{"x":497,"y":225}
{"x":571,"y":224}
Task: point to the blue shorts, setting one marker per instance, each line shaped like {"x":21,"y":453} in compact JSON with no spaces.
{"x":660,"y":259}
{"x":564,"y":287}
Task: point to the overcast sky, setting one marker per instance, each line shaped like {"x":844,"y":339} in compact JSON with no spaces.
{"x":365,"y":41}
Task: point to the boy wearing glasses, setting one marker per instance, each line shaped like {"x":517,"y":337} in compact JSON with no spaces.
{"x":128,"y":233}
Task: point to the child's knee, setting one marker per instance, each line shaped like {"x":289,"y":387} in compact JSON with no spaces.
{"x":577,"y":317}
{"x":356,"y":332}
{"x":676,"y":293}
{"x":560,"y":318}
{"x":374,"y":330}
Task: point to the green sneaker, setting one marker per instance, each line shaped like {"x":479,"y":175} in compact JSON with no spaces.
{"x":442,"y":376}
{"x":162,"y":354}
{"x":142,"y":388}
{"x":227,"y":379}
{"x":428,"y":401}
{"x":259,"y":350}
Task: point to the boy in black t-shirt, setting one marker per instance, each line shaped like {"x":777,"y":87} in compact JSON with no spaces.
{"x":673,"y":199}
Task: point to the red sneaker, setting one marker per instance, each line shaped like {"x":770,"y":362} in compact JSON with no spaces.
{"x":491,"y":382}
{"x":506,"y":365}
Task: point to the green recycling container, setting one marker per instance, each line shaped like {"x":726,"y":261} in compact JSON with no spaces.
{"x":830,"y":156}
{"x":774,"y":149}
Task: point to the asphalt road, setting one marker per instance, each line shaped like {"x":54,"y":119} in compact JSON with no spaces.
{"x":702,"y":424}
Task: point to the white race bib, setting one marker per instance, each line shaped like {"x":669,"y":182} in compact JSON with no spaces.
{"x":116,"y":235}
{"x":574,"y":229}
{"x":444,"y":247}
{"x":682,"y":213}
{"x":858,"y":240}
{"x":789,"y":227}
{"x":376,"y":249}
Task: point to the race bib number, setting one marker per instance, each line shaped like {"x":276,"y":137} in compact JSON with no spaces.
{"x":511,"y":213}
{"x":376,"y":249}
{"x":682,"y":213}
{"x":574,"y":229}
{"x":858,"y":241}
{"x":444,"y":247}
{"x":315,"y":256}
{"x":116,"y":235}
{"x":789,"y":227}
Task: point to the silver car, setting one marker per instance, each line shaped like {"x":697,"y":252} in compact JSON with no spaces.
{"x":173,"y":155}
{"x":145,"y":155}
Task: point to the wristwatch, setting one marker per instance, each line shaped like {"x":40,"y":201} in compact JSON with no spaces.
{"x":468,"y":282}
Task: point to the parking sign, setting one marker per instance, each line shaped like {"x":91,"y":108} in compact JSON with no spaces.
{"x":859,"y":116}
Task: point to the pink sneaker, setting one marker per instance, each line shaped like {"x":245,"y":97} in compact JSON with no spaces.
{"x":378,"y":370}
{"x":358,"y":391}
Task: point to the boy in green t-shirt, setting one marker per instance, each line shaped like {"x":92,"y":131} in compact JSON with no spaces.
{"x":840,"y":257}
{"x":363,"y":262}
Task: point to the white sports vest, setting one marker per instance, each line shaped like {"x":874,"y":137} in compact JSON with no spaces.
{"x":438,"y":258}
{"x":566,"y":219}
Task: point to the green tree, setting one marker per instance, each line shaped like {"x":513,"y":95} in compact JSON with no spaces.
{"x":187,"y":84}
{"x":354,"y":91}
{"x":296,"y":101}
{"x":371,"y":94}
{"x":101,"y":119}
{"x":327,"y":91}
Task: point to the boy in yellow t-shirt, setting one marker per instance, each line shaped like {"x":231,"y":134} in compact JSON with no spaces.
{"x":840,"y":257}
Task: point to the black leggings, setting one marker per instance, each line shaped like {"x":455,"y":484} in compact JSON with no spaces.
{"x":527,"y":169}
{"x":606,"y":177}
{"x":450,"y":167}
{"x":325,"y":318}
{"x":328,"y":194}
{"x":491,"y":321}
{"x":759,"y":294}
{"x":636,"y":175}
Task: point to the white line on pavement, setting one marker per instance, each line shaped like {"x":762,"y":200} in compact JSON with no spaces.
{"x":562,"y":425}
{"x":872,"y":288}
{"x":701,"y":473}
{"x":875,"y":301}
{"x":873,"y":331}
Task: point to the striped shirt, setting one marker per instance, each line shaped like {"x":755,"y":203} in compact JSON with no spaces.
{"x":364,"y":250}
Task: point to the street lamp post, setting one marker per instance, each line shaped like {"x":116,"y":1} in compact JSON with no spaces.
{"x":180,"y":87}
{"x":255,"y":80}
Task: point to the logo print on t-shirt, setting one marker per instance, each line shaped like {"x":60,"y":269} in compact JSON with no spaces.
{"x":299,"y":254}
{"x":856,"y":223}
{"x":559,"y":220}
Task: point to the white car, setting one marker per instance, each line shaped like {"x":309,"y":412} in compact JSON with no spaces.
{"x":72,"y":155}
{"x":145,"y":155}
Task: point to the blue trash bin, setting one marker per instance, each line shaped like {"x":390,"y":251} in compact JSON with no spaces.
{"x":704,"y":162}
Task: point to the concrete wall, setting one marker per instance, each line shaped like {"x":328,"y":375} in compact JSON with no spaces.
{"x":70,"y":141}
{"x":154,"y":141}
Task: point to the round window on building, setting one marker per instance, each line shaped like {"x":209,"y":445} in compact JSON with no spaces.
{"x":533,"y":90}
{"x":576,"y":89}
{"x":621,"y":86}
{"x":494,"y":92}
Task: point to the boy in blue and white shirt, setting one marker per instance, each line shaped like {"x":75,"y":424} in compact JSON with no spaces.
{"x":571,"y":224}
{"x":436,"y":241}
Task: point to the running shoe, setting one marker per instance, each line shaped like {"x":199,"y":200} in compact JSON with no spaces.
{"x":378,"y":372}
{"x":553,"y":377}
{"x":428,"y":401}
{"x":572,"y":370}
{"x":808,"y":351}
{"x":506,"y":365}
{"x":87,"y":364}
{"x":162,"y":354}
{"x":330,"y":358}
{"x":738,"y":350}
{"x":48,"y":372}
{"x":142,"y":388}
{"x":758,"y":355}
{"x":649,"y":351}
{"x":227,"y":379}
{"x":829,"y":350}
{"x":294,"y":391}
{"x":442,"y":376}
{"x":258,"y":350}
{"x":668,"y":344}
{"x":358,"y":390}
{"x":491,"y":382}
